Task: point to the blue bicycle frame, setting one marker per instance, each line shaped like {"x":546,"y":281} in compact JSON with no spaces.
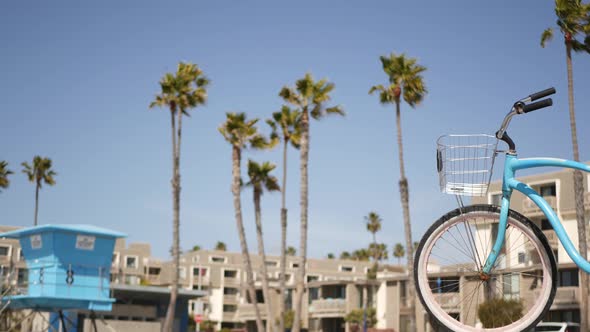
{"x":509,"y":184}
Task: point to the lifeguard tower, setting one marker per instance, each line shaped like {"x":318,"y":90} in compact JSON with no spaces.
{"x":68,"y":268}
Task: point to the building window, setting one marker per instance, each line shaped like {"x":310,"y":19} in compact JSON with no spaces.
{"x":271,"y":263}
{"x":230,"y":291}
{"x":131,"y":262}
{"x":154,"y":271}
{"x":202,"y":271}
{"x":294,"y":265}
{"x":23,"y":277}
{"x":564,"y":316}
{"x":21,"y":256}
{"x":314,"y":294}
{"x":567,"y":278}
{"x":521,"y":258}
{"x":4,"y":250}
{"x":311,"y":278}
{"x":217,"y":259}
{"x":195,"y":259}
{"x":548,"y":190}
{"x":230,"y":274}
{"x":445,"y":285}
{"x":496,"y":199}
{"x":115,"y":261}
{"x":230,"y":308}
{"x":287,"y":276}
{"x":511,"y":286}
{"x":346,"y":268}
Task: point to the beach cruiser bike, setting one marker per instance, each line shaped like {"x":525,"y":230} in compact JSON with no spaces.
{"x":487,"y":267}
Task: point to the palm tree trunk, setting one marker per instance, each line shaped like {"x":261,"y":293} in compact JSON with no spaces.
{"x":405,"y":200}
{"x":235,"y":188}
{"x":304,"y":206}
{"x":36,"y":203}
{"x":578,"y":192}
{"x":365,"y":301}
{"x":265,"y":290}
{"x":283,"y":239}
{"x":170,"y":312}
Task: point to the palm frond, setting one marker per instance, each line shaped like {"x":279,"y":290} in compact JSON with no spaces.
{"x":546,"y":36}
{"x":404,"y":76}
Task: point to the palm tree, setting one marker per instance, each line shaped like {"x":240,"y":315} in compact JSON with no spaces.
{"x":291,"y":251}
{"x":39,"y":172}
{"x":242,"y":133}
{"x":261,"y":179}
{"x":405,"y":80}
{"x":399,"y":252}
{"x":573,"y":19}
{"x":180,"y":92}
{"x":221,"y":246}
{"x":309,"y":97}
{"x":4,"y":173}
{"x":378,"y":252}
{"x":361,"y":255}
{"x":289,"y":123}
{"x":373,"y":222}
{"x":345,"y":255}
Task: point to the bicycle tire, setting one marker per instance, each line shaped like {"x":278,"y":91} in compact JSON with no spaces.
{"x":549,"y":268}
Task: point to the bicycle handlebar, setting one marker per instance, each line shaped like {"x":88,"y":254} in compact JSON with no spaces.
{"x":541,"y":94}
{"x":538,"y":105}
{"x":521,"y":107}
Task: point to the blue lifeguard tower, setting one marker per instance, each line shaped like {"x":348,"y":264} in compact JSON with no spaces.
{"x":68,"y":268}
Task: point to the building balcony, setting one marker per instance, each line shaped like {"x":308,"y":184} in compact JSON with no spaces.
{"x":203,"y":281}
{"x":230,"y":299}
{"x":231,"y":281}
{"x":328,"y":308}
{"x":153,"y":279}
{"x":530,"y":209}
{"x":448,"y":301}
{"x":247,"y":312}
{"x":565,"y":297}
{"x":230,"y":317}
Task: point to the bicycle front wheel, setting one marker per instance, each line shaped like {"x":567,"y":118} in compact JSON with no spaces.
{"x":451,"y":284}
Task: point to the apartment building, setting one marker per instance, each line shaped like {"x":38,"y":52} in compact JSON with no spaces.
{"x":333,"y":288}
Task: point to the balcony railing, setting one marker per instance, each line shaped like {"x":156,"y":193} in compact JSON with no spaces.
{"x":328,"y":307}
{"x":246,"y":311}
{"x":530,"y":208}
{"x":565,"y":295}
{"x":153,"y":278}
{"x":448,"y":300}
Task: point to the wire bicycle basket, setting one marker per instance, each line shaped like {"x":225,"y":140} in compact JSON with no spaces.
{"x":465,"y":163}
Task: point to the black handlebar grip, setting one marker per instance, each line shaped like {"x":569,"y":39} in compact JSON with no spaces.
{"x":535,"y":106}
{"x":541,"y":94}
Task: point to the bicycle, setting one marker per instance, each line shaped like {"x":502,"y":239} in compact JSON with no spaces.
{"x":487,"y":267}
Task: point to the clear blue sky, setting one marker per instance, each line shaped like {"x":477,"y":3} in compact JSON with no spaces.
{"x":76,"y":80}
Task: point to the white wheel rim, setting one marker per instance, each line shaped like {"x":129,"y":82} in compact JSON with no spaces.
{"x":529,"y":317}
